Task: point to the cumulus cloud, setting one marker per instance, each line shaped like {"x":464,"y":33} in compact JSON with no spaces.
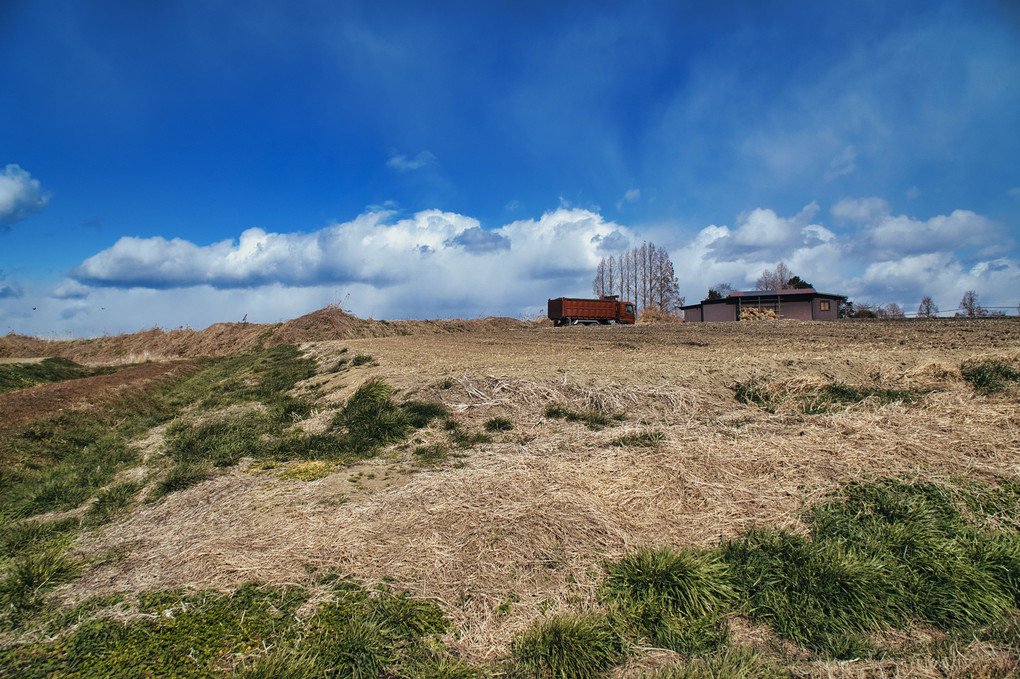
{"x":20,"y":195}
{"x":404,"y":164}
{"x":442,"y":264}
{"x":448,"y":255}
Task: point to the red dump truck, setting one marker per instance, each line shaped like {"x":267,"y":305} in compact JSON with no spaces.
{"x":604,"y":310}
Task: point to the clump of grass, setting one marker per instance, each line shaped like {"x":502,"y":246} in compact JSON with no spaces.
{"x":822,"y":595}
{"x":361,"y":359}
{"x":648,"y":439}
{"x":568,"y":646}
{"x":29,"y":536}
{"x":733,"y":663}
{"x":498,"y":424}
{"x":110,"y":502}
{"x":223,"y":441}
{"x":177,"y":478}
{"x":677,"y":599}
{"x":432,"y":454}
{"x":770,"y":396}
{"x":990,"y":376}
{"x":370,"y":419}
{"x":463,"y":439}
{"x":28,"y":579}
{"x":757,"y":391}
{"x":838,"y":394}
{"x":280,"y":663}
{"x":953,"y":574}
{"x":593,"y":419}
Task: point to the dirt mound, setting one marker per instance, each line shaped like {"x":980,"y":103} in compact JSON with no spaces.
{"x":225,"y":339}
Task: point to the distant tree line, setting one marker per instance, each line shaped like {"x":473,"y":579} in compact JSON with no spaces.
{"x":643,"y":275}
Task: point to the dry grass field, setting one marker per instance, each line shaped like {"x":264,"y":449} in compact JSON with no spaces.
{"x":505,"y":512}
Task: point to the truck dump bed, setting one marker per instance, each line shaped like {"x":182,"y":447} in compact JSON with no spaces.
{"x":591,"y":309}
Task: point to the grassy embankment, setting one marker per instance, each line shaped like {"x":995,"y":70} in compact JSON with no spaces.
{"x":880,"y":557}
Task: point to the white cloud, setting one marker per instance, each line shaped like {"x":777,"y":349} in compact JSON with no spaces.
{"x":631,"y":196}
{"x":445,"y":257}
{"x":901,"y":235}
{"x":863,"y":211}
{"x":440,"y":264}
{"x":845,"y":162}
{"x":20,"y":195}
{"x":404,"y":164}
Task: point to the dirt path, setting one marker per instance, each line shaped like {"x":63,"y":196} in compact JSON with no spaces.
{"x":22,"y":406}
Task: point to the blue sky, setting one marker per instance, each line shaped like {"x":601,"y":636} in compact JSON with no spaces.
{"x":181,"y":163}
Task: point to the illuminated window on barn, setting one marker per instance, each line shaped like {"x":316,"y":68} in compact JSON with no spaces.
{"x":824,"y":306}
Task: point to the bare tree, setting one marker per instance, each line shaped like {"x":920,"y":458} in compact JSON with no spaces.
{"x":777,"y":279}
{"x":927,"y":309}
{"x":598,"y":285}
{"x":643,"y":275}
{"x":720,"y":291}
{"x":969,"y":306}
{"x":891,"y":310}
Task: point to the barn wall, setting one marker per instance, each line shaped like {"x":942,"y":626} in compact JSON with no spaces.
{"x":798,"y":311}
{"x":713,"y":313}
{"x":692,"y":315}
{"x":830,"y":315}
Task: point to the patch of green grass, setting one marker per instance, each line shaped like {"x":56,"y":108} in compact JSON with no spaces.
{"x":770,"y":396}
{"x":433,"y":454}
{"x":371,"y":419}
{"x":223,"y":441}
{"x":648,"y":439}
{"x":568,"y":646}
{"x":464,"y":439}
{"x":498,"y":424}
{"x":353,"y":633}
{"x":264,"y":376}
{"x":823,"y":596}
{"x":593,"y":419}
{"x":361,"y":359}
{"x":838,"y":394}
{"x":990,"y":376}
{"x":676,"y":599}
{"x":58,"y":463}
{"x":280,"y":663}
{"x":30,"y":536}
{"x":109,"y":502}
{"x":180,"y":476}
{"x":14,"y":376}
{"x":733,"y":663}
{"x":27,"y":580}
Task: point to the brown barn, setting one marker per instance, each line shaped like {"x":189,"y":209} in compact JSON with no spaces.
{"x":805,"y":304}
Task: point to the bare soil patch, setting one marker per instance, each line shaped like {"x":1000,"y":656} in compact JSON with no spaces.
{"x":28,"y":404}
